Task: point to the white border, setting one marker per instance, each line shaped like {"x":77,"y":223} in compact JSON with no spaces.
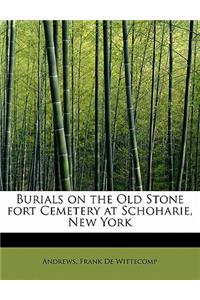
{"x":104,"y":9}
{"x":100,"y":289}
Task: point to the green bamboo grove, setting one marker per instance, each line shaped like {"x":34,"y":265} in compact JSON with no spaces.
{"x":99,"y":105}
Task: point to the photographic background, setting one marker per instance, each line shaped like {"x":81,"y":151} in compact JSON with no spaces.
{"x":114,"y":105}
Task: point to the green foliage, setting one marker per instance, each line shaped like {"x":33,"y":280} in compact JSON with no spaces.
{"x":25,"y":90}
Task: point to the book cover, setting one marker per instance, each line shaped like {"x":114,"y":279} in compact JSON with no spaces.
{"x":99,"y":150}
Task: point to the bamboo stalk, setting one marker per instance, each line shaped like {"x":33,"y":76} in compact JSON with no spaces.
{"x":107,"y":108}
{"x":57,"y":108}
{"x":8,"y":106}
{"x":186,"y":110}
{"x":133,"y":141}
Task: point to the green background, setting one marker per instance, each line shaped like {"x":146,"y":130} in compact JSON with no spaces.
{"x":172,"y":263}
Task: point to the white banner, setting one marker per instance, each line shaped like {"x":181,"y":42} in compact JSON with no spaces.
{"x":99,"y":212}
